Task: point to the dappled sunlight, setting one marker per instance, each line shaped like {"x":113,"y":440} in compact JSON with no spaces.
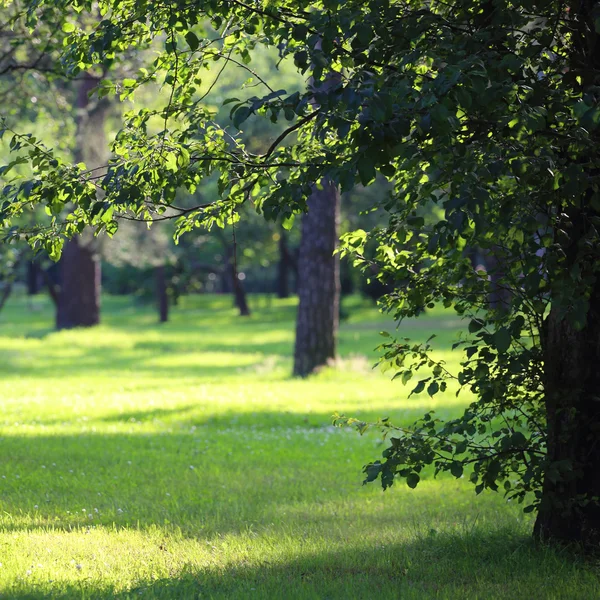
{"x":166,"y":461}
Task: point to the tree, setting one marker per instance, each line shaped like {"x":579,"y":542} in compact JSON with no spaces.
{"x":488,"y":109}
{"x":78,"y":298}
{"x":318,"y":282}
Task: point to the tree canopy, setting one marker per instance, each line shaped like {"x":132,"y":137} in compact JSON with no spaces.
{"x":487,"y":109}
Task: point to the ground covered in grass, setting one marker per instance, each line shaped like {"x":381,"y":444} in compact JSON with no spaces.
{"x":182,"y":461}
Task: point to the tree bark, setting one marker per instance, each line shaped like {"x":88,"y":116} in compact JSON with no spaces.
{"x":573,"y":427}
{"x":318,"y":282}
{"x":79,"y":296}
{"x":570,"y":503}
{"x":161,"y":294}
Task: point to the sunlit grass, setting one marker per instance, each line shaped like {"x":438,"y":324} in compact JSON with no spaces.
{"x":182,"y":461}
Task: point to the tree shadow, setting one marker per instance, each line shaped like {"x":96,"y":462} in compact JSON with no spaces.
{"x":471,"y":566}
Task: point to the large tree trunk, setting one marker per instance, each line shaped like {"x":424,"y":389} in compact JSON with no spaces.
{"x":79,"y":296}
{"x":573,"y":421}
{"x":570,"y":510}
{"x":318,"y":282}
{"x":161,"y":294}
{"x":570,"y":507}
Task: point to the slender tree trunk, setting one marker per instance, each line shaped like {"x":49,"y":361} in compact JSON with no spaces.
{"x":33,"y":278}
{"x":318,"y":282}
{"x":6,"y":292}
{"x":499,"y":296}
{"x":79,"y":296}
{"x":230,"y":278}
{"x":283,"y":267}
{"x":161,"y":294}
{"x":239,"y":292}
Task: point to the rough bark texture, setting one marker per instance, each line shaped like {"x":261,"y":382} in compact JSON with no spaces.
{"x":78,"y":301}
{"x":161,"y":294}
{"x":79,"y":297}
{"x":572,"y":355}
{"x":318,"y":282}
{"x":572,"y":398}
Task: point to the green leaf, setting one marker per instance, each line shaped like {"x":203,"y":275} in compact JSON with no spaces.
{"x":420,"y":386}
{"x":240,"y":115}
{"x":461,"y":447}
{"x":518,"y":439}
{"x":288,"y":222}
{"x":433,"y":388}
{"x":412,"y":480}
{"x":192,"y":40}
{"x":456,"y":469}
{"x":475,"y":325}
{"x":171,"y":161}
{"x":502,"y":339}
{"x":68,"y":27}
{"x":406,"y":376}
{"x":366,"y":169}
{"x":417,"y":222}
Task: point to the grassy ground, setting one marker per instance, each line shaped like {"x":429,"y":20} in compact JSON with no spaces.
{"x":182,"y":461}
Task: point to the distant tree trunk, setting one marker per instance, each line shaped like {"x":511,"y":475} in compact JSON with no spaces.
{"x":283,"y":267}
{"x":318,"y":282}
{"x":239,"y":292}
{"x":161,"y":294}
{"x":33,"y":278}
{"x":499,"y":296}
{"x":79,"y":295}
{"x":6,"y":292}
{"x":230,"y":279}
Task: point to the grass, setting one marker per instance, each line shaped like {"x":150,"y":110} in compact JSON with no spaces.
{"x":182,"y":461}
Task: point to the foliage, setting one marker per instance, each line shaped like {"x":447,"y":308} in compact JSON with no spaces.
{"x":486,"y":108}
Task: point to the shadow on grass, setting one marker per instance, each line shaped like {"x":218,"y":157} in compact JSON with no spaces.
{"x":95,"y":362}
{"x":205,"y":480}
{"x":477,"y":566}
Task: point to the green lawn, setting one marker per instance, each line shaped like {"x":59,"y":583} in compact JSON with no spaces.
{"x":182,"y":461}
